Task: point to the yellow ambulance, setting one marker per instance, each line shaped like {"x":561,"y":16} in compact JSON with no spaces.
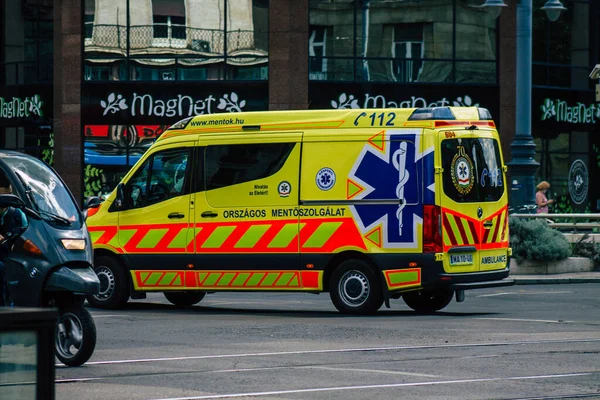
{"x":368,"y":205}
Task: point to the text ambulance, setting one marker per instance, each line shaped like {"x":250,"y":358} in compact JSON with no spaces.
{"x":368,"y":205}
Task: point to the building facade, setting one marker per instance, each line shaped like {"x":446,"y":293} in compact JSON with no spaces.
{"x":88,"y":85}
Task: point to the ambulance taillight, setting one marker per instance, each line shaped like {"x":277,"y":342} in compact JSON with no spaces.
{"x":432,"y":229}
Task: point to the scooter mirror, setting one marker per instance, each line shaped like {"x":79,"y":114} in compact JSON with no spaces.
{"x":10,"y":200}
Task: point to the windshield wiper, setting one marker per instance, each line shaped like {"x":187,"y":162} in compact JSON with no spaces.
{"x":54,"y":217}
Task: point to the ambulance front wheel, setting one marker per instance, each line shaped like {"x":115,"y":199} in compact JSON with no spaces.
{"x":355,"y":289}
{"x":428,"y":301}
{"x":114,"y":285}
{"x":184,"y":299}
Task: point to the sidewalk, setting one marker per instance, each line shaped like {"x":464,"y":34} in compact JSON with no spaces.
{"x":575,"y":277}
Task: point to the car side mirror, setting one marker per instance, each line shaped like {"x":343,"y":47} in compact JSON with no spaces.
{"x":92,"y":202}
{"x":10,"y":200}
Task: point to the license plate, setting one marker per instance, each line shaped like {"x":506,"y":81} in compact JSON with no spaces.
{"x":461,"y":259}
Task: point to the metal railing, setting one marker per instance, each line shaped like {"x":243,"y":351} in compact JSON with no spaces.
{"x":163,"y":36}
{"x":559,"y":221}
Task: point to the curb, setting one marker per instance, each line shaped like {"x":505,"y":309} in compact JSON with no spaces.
{"x":557,"y":280}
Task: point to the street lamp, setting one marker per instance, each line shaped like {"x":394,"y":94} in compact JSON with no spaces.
{"x":523,"y":165}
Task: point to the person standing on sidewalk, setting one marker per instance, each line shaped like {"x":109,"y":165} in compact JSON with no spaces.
{"x":540,"y":197}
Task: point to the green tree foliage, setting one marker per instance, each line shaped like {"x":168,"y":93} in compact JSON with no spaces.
{"x":533,"y":239}
{"x":92,"y":180}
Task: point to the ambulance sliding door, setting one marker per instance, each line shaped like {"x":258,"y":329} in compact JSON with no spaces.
{"x":245,"y":214}
{"x":363,"y":188}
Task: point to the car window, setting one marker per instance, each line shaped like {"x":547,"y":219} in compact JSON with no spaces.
{"x":472,"y":170}
{"x":162,"y":177}
{"x":227,"y":165}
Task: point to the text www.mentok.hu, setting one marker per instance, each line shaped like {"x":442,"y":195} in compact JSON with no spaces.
{"x":224,"y":121}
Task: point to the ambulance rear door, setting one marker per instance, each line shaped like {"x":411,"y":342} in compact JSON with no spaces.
{"x":465,"y":157}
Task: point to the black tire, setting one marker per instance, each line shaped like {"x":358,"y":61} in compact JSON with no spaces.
{"x":75,"y":341}
{"x":428,"y":301}
{"x":114,"y":284}
{"x":355,"y":288}
{"x":184,"y":299}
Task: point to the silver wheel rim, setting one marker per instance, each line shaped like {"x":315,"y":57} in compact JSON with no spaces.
{"x":354,"y":288}
{"x":107,"y":283}
{"x":69,"y":339}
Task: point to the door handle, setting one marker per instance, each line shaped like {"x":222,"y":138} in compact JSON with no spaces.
{"x":209,"y":214}
{"x":488,"y":224}
{"x":175,"y":215}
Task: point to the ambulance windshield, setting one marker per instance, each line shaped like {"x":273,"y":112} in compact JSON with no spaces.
{"x":472,"y":170}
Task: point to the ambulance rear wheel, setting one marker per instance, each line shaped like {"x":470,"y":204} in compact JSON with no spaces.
{"x":428,"y":301}
{"x":114,"y":284}
{"x":355,"y":289}
{"x":184,"y":299}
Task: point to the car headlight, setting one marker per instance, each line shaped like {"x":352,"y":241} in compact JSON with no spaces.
{"x":73,"y":244}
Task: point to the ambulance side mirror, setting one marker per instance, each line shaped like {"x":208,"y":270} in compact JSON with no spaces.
{"x":92,"y":202}
{"x":120,"y":197}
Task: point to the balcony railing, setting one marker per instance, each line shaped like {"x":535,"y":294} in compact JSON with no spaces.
{"x":140,"y":39}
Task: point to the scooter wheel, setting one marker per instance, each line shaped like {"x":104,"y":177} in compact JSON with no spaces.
{"x":75,"y":339}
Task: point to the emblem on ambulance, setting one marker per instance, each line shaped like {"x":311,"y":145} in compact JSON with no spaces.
{"x":325,"y":178}
{"x":284,"y":188}
{"x":391,"y":179}
{"x":461,"y":170}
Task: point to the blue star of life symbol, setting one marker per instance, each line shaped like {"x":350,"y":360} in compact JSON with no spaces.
{"x":325,"y":179}
{"x":400,"y":173}
{"x":463,"y":170}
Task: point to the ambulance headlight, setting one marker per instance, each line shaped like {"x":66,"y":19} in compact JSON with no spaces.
{"x":73,"y":244}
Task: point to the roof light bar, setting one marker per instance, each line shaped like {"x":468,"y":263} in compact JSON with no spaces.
{"x":484,"y":114}
{"x":434,"y":113}
{"x":181,"y":124}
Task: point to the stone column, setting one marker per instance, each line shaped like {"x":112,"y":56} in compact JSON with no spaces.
{"x":288,"y":54}
{"x":507,"y":78}
{"x":68,"y":146}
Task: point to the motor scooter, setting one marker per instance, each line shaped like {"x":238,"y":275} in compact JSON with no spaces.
{"x":50,"y":261}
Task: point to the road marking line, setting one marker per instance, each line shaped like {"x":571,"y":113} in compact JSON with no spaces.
{"x":495,"y":294}
{"x":382,"y":386}
{"x":521,"y":293}
{"x":526,"y":320}
{"x":375,"y":371}
{"x":349,"y":350}
{"x":72,"y":380}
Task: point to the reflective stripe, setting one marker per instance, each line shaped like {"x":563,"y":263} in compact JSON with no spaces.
{"x":218,"y":237}
{"x":322,"y":234}
{"x":152,"y":238}
{"x":398,"y":278}
{"x":276,"y":236}
{"x":235,"y":279}
{"x":285,"y":236}
{"x":180,"y":240}
{"x":252,"y":236}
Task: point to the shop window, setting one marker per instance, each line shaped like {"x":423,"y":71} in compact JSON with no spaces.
{"x":37,"y":142}
{"x":248,"y":73}
{"x":88,"y":25}
{"x":408,"y":51}
{"x":317,"y":48}
{"x":153,"y":72}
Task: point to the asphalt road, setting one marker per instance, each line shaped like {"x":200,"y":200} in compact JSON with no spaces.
{"x":520,"y":342}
